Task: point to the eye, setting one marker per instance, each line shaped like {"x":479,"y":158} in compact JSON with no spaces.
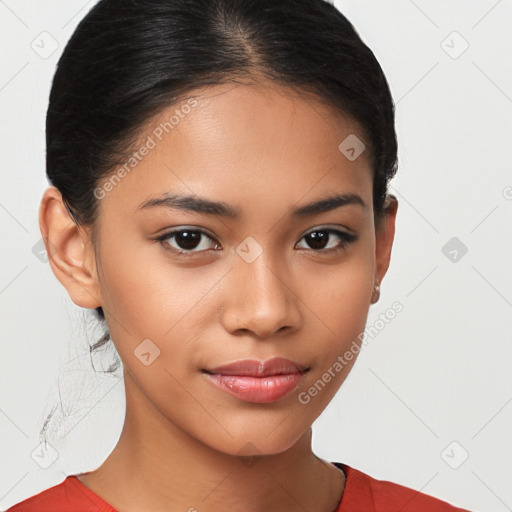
{"x":320,"y":239}
{"x":186,"y":239}
{"x":189,"y":241}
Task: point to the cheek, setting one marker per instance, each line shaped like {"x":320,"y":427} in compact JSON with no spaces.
{"x":342,"y":308}
{"x":146,"y":296}
{"x":340,"y":296}
{"x":340,"y":303}
{"x":147,"y":292}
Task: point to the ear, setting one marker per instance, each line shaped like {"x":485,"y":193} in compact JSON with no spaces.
{"x":384,"y":235}
{"x":70,"y":252}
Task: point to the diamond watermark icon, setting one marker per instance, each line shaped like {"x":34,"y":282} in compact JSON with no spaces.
{"x":146,"y":352}
{"x":454,"y":249}
{"x":249,"y":454}
{"x":352,"y":147}
{"x":44,"y":455}
{"x":455,"y":455}
{"x":454,"y":45}
{"x":249,"y":249}
{"x":44,"y":45}
{"x":39,"y":249}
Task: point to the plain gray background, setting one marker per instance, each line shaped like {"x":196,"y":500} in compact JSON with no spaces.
{"x":428,"y":404}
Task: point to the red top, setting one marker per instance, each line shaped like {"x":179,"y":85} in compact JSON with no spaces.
{"x":362,"y":494}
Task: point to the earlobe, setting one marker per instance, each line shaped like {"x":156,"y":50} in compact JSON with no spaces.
{"x":384,"y":237}
{"x":69,"y":251}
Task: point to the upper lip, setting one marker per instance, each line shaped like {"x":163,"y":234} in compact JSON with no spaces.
{"x":253,"y":368}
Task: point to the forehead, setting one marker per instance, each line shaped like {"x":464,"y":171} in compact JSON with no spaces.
{"x":260,"y":145}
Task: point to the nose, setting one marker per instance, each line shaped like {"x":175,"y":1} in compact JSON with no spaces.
{"x":261,"y":299}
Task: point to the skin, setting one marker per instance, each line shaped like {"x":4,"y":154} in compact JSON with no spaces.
{"x":182,"y":437}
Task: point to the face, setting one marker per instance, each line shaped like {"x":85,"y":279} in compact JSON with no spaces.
{"x":187,"y":285}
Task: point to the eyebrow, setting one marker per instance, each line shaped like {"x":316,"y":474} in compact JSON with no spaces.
{"x":222,"y":209}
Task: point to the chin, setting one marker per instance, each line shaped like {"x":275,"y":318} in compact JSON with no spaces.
{"x":258,"y":444}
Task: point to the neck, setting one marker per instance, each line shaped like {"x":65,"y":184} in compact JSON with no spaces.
{"x":157,"y":466}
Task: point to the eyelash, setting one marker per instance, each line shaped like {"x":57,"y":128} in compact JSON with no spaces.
{"x":347,"y":238}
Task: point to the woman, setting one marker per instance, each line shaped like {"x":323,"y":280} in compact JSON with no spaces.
{"x":219,"y":174}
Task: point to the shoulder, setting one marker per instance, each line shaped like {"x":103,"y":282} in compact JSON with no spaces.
{"x":363,"y":492}
{"x":70,"y":494}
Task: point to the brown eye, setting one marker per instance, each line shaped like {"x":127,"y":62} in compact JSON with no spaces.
{"x":320,"y":239}
{"x":185,"y":241}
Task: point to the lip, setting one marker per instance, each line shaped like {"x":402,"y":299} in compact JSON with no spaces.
{"x":253,"y":368}
{"x":258,"y":381}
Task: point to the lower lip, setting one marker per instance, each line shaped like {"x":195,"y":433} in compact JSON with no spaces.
{"x":260,"y":390}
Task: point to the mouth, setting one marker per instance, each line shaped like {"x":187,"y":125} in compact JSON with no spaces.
{"x":257,"y":381}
